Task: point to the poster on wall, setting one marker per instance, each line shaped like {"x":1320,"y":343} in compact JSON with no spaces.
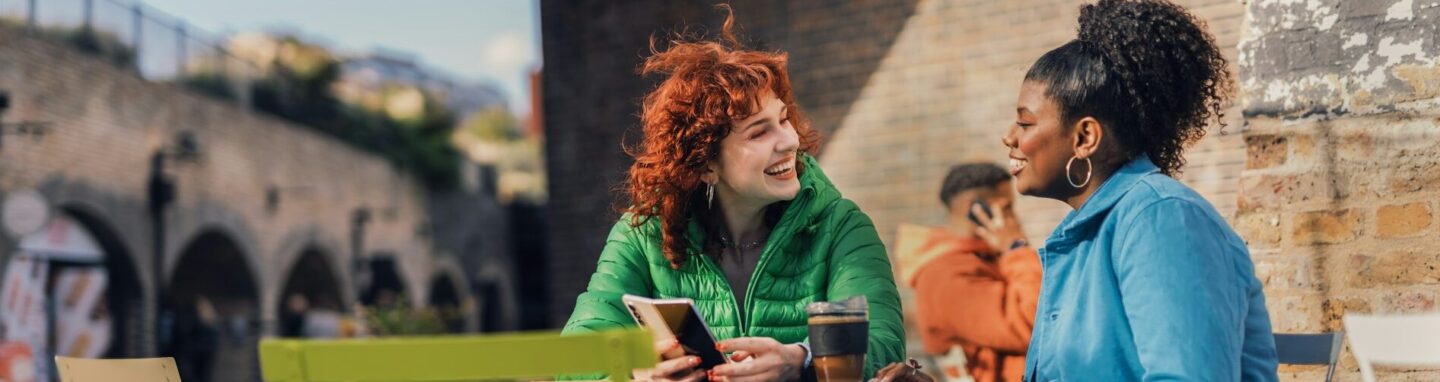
{"x":17,"y":363}
{"x":82,"y":317}
{"x":64,"y":239}
{"x":72,"y":309}
{"x":22,"y":316}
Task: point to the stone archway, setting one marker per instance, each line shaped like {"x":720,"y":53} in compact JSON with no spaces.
{"x":386,"y":284}
{"x":211,"y":306}
{"x":449,"y":298}
{"x":311,"y":286}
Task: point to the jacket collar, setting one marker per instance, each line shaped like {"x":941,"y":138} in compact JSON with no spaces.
{"x":815,"y":195}
{"x":1104,"y":199}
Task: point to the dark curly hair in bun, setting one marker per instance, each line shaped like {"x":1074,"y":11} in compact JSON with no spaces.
{"x":1147,"y":70}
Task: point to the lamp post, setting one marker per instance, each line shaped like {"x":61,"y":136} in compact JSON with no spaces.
{"x":161,"y":193}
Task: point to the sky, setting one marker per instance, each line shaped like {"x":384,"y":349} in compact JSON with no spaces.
{"x":496,"y":41}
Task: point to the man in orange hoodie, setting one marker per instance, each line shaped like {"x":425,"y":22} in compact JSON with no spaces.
{"x":977,"y":280}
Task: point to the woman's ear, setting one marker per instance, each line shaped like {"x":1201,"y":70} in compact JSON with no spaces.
{"x":1088,"y":136}
{"x":711,"y":173}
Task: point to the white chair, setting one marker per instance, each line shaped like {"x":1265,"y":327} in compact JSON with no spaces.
{"x":1401,"y":340}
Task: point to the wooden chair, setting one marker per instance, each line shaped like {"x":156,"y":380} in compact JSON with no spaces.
{"x":544,"y":355}
{"x":117,"y":370}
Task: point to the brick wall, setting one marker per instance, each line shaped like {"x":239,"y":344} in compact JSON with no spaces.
{"x":106,"y":124}
{"x":1338,"y":193}
{"x":591,"y":96}
{"x":945,"y":93}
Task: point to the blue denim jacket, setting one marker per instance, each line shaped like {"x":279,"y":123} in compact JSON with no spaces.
{"x":1147,"y":282}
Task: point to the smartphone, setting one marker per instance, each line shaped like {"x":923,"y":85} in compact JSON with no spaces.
{"x":677,"y":319}
{"x":983,"y":207}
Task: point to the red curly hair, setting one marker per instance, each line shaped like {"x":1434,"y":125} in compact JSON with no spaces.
{"x":709,"y":85}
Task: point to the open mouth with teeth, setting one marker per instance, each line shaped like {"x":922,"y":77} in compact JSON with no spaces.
{"x":1016,"y":165}
{"x":783,"y":170}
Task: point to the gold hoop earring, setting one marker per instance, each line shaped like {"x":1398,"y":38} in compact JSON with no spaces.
{"x":1089,"y":170}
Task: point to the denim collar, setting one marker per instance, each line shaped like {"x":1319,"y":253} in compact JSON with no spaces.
{"x":1098,"y":206}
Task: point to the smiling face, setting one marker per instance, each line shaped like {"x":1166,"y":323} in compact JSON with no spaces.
{"x":1040,"y":145}
{"x":757,"y":164}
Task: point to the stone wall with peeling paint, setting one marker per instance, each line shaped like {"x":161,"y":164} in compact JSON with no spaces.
{"x":1342,"y":172}
{"x":1333,"y":57}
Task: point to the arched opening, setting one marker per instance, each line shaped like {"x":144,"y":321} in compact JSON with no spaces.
{"x":211,"y":308}
{"x":124,"y":295}
{"x":310,"y":301}
{"x":386,"y":287}
{"x":72,"y":290}
{"x":445,"y":297}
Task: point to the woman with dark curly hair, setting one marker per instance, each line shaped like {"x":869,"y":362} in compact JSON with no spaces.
{"x":730,"y":210}
{"x":1143,"y":280}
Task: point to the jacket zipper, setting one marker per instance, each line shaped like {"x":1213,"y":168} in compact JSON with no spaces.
{"x":777,"y":239}
{"x":716,"y":271}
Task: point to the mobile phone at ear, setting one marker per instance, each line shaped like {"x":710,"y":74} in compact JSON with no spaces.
{"x":983,"y":207}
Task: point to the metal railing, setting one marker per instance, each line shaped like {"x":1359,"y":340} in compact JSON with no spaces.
{"x":157,"y":46}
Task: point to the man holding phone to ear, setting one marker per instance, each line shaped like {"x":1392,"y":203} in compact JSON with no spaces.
{"x":976,"y":281}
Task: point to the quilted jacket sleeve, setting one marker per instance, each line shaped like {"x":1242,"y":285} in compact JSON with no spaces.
{"x":859,"y":266}
{"x":621,"y":270}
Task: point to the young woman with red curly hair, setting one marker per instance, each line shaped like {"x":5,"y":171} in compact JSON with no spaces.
{"x":729,"y":209}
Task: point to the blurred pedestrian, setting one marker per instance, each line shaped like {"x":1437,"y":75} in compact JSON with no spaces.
{"x":197,"y":338}
{"x":292,"y":319}
{"x":977,"y":280}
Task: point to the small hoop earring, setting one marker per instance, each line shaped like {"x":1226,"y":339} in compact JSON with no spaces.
{"x":1089,"y":170}
{"x":709,"y":195}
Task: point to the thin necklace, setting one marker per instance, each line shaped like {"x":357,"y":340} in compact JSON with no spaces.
{"x":725,"y":242}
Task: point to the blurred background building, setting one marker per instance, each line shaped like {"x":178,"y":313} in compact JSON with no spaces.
{"x":175,"y":192}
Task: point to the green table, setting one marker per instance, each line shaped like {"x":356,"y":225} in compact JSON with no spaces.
{"x":468,"y":358}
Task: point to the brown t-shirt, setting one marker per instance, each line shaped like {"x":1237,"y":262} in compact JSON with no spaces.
{"x":738,"y":267}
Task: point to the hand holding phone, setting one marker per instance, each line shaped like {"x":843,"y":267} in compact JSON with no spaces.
{"x":677,"y":319}
{"x":997,"y":225}
{"x":984,"y":207}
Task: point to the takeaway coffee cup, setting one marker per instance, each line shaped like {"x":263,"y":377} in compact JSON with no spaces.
{"x":839,"y":333}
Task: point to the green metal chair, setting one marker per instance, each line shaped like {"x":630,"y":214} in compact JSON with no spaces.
{"x":526,"y":355}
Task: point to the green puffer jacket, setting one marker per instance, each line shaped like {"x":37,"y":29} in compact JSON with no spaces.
{"x":822,"y":249}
